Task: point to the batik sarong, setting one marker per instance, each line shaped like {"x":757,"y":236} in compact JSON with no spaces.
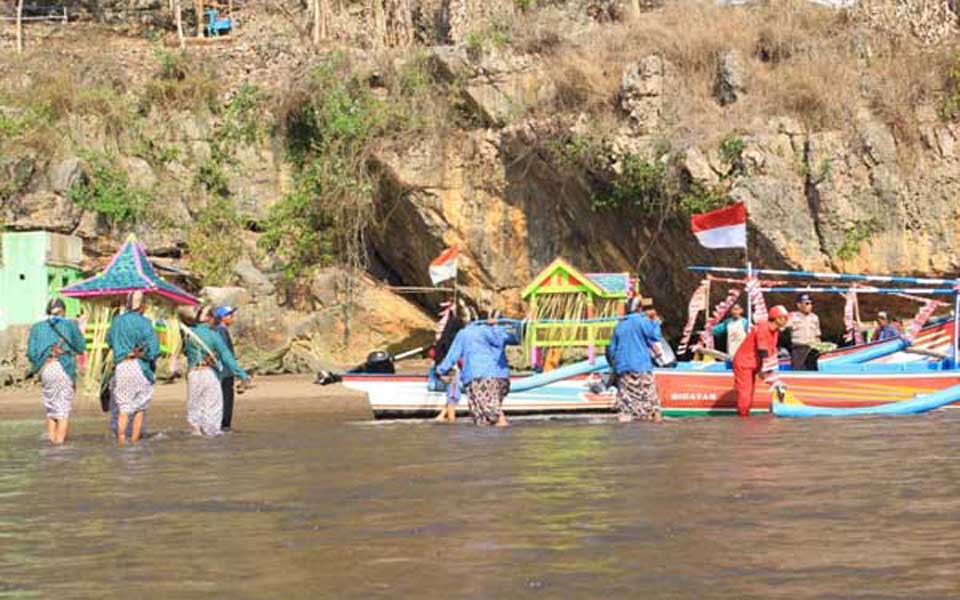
{"x":204,"y":401}
{"x":637,"y":395}
{"x":486,"y":396}
{"x":132,"y":390}
{"x":56,"y":389}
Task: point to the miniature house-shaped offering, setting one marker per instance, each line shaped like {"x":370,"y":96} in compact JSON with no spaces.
{"x":571,"y":309}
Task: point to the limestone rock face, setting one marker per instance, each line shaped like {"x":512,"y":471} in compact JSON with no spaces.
{"x":730,"y":83}
{"x":641,"y":94}
{"x":41,"y":210}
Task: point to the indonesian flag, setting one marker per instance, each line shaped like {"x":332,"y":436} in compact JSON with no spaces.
{"x":722,"y":228}
{"x":444,"y":267}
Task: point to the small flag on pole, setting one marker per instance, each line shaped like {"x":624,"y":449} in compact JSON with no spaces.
{"x":722,"y":228}
{"x":444,"y":267}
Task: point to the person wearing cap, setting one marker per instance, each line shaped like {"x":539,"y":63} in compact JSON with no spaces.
{"x":631,"y":348}
{"x":757,"y":355}
{"x":481,"y":345}
{"x":52,"y":348}
{"x":209,"y":360}
{"x":734,"y":327}
{"x":885,"y":330}
{"x":804,"y":326}
{"x":223,"y":318}
{"x":135,"y":351}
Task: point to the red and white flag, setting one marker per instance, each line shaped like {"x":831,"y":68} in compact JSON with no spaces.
{"x":722,"y":228}
{"x":444,"y":267}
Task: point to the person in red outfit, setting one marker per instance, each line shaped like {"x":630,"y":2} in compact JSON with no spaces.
{"x":757,"y":355}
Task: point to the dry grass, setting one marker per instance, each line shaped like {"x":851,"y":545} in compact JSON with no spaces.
{"x":815,"y":64}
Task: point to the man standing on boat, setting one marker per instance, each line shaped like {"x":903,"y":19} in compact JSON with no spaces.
{"x":486,"y":375}
{"x":885,"y":330}
{"x":757,"y":355}
{"x":804,"y":335}
{"x":630,"y":348}
{"x":734,"y":327}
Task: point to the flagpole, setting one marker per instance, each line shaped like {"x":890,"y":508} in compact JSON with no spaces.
{"x":746,"y":259}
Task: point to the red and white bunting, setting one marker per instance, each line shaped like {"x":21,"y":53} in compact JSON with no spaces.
{"x":852,"y":330}
{"x":698,"y":302}
{"x":719,"y":311}
{"x":757,"y":304}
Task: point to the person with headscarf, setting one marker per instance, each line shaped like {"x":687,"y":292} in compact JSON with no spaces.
{"x":209,"y":360}
{"x":631,"y":348}
{"x":135,"y":351}
{"x":481,"y":346}
{"x":52,"y":348}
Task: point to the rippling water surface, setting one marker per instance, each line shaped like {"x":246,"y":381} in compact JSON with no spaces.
{"x":309,"y":508}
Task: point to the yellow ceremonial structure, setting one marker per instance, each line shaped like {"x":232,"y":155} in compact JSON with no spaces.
{"x":572,"y":309}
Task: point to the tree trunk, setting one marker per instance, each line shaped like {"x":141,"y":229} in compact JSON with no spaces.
{"x":178,"y":13}
{"x":20,"y":26}
{"x":317,"y":17}
{"x":198,"y":6}
{"x":633,"y":9}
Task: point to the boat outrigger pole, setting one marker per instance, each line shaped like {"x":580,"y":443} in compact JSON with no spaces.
{"x":863,"y":290}
{"x":820,"y":275}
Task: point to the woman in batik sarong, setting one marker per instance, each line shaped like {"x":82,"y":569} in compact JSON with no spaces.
{"x":135,"y":350}
{"x":630,"y":348}
{"x":485,"y":375}
{"x":209,"y":360}
{"x":52,"y":348}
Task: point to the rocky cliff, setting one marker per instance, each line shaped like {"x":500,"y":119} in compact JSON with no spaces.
{"x":574,"y":129}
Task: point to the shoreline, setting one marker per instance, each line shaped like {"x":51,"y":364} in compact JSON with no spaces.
{"x":273,"y":395}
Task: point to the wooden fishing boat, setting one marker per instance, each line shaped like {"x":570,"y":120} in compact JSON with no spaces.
{"x":691,"y":388}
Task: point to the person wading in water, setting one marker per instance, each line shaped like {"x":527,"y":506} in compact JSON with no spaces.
{"x":52,"y":348}
{"x":223,"y":318}
{"x":486,"y":375}
{"x":757,"y":355}
{"x":630,"y":348}
{"x":208,"y":361}
{"x":135,"y":350}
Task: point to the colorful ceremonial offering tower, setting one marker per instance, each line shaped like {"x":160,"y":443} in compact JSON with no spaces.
{"x":572,"y":309}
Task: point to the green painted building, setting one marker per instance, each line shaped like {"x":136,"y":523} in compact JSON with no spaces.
{"x":34,"y":266}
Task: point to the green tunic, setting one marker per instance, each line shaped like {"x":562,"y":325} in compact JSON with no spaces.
{"x":43,"y":339}
{"x":132,"y":330}
{"x":214,"y":341}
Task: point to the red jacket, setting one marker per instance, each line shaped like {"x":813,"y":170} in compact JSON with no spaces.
{"x":759,"y":349}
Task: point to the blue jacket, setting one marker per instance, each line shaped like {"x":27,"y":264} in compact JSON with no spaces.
{"x":630,"y":344}
{"x":483,"y":350}
{"x":132,"y":330}
{"x":196,"y":355}
{"x":43,"y":339}
{"x":887,"y":332}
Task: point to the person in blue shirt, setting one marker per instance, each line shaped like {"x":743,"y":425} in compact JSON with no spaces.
{"x":52,"y":348}
{"x":485,"y":374}
{"x":223,"y":319}
{"x":631,"y":349}
{"x":209,"y":360}
{"x":135,"y":349}
{"x":885,"y":330}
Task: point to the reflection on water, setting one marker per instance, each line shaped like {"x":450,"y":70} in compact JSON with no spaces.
{"x":288,"y":508}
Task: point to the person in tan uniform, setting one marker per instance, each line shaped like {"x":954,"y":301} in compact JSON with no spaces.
{"x":804,"y":326}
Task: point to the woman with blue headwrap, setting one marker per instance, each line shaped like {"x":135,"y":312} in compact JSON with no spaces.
{"x":52,"y":348}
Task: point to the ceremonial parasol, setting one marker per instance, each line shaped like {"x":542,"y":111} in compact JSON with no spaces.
{"x":128,"y":271}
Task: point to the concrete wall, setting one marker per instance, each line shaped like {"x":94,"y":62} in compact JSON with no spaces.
{"x":28,"y":276}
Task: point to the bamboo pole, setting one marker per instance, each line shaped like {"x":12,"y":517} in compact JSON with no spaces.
{"x":178,"y":11}
{"x":198,"y":7}
{"x":20,"y":27}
